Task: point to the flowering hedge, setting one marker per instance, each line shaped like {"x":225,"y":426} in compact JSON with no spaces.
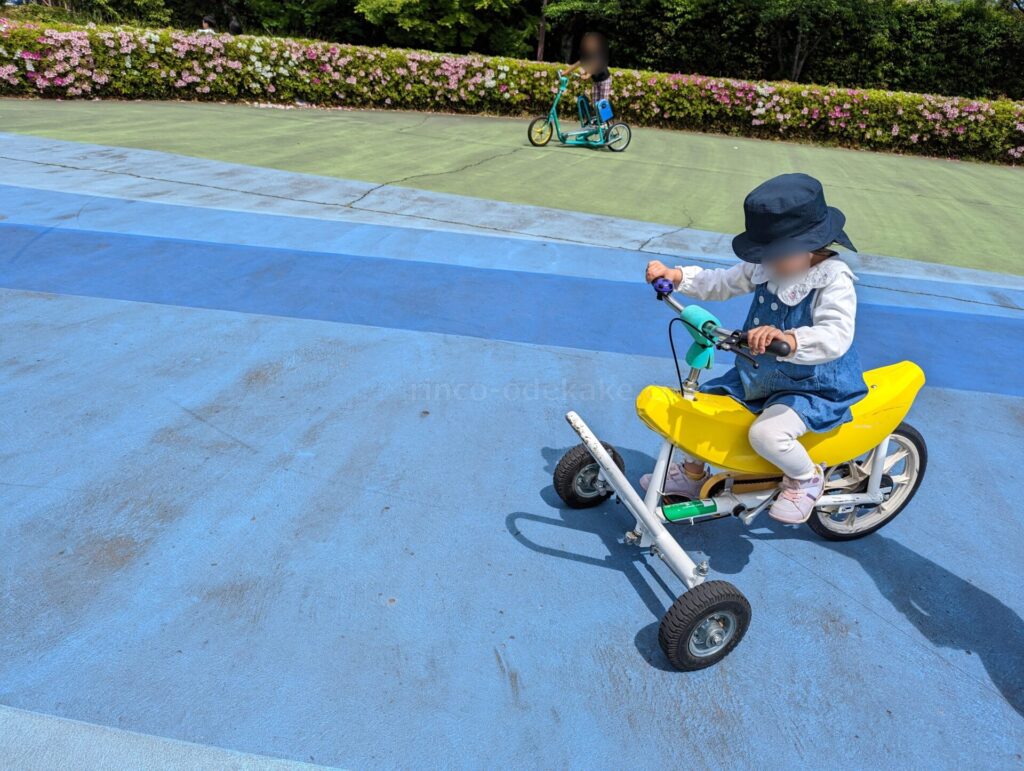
{"x":64,"y":61}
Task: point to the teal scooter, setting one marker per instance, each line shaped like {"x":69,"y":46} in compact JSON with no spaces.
{"x":595,"y":130}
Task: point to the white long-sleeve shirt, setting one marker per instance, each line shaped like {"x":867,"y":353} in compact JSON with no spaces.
{"x":834,"y":311}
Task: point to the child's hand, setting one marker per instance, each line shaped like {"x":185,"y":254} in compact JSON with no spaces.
{"x":759,"y":338}
{"x":657,"y":269}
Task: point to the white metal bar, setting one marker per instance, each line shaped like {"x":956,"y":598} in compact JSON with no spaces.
{"x":846,"y":499}
{"x":667,"y":547}
{"x":877,"y":467}
{"x":654,"y":491}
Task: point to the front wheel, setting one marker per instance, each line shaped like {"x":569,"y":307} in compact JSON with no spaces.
{"x":902,"y":472}
{"x":576,"y":478}
{"x":540,"y":131}
{"x":704,"y":625}
{"x":619,"y":135}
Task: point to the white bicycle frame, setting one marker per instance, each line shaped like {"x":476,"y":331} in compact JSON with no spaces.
{"x":651,"y":530}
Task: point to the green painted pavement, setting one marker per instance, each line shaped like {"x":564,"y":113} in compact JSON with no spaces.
{"x":964,"y":214}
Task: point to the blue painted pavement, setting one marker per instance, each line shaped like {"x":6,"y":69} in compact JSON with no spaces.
{"x":969,"y":351}
{"x":295,"y":500}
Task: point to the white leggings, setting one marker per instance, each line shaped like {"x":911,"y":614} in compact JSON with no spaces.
{"x":774,"y":437}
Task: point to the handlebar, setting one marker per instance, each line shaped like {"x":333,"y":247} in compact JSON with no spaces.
{"x":726,"y":339}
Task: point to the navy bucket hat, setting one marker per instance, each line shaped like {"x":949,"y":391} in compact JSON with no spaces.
{"x":787,"y":215}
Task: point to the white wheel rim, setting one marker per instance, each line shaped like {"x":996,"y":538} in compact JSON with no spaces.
{"x":616,"y":135}
{"x":902,"y":466}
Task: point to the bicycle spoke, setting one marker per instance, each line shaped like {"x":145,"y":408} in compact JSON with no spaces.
{"x":895,"y":458}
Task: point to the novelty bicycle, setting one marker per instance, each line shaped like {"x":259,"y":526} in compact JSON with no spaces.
{"x":596,"y":129}
{"x":874,"y":465}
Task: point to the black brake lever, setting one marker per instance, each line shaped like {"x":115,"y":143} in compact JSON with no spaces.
{"x":732,"y":347}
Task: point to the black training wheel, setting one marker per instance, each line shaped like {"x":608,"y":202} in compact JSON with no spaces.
{"x":540,"y":131}
{"x":575,"y":477}
{"x":704,"y":625}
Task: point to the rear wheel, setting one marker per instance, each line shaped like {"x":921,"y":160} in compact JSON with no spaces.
{"x":540,"y":131}
{"x":619,"y":136}
{"x":576,"y":477}
{"x":905,"y":463}
{"x":704,"y":625}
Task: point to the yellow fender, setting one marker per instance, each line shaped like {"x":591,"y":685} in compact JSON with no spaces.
{"x":715,"y":428}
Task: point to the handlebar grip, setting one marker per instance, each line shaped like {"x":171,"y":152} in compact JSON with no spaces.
{"x":775,"y":347}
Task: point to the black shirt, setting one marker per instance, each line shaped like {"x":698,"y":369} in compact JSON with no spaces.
{"x":597,"y":66}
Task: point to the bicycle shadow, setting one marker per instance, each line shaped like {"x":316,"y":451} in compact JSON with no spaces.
{"x":948,"y":610}
{"x":595,"y":521}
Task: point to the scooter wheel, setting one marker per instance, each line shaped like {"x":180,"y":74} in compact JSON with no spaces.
{"x":540,"y":131}
{"x":704,"y":625}
{"x":619,"y":135}
{"x":575,"y":477}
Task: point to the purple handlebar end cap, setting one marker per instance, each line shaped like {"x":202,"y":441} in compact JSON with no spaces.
{"x":663,"y":286}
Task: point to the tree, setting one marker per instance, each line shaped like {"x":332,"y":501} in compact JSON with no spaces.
{"x":542,"y":30}
{"x":452,"y":25}
{"x":799,"y":27}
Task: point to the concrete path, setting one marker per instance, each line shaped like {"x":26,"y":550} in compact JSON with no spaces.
{"x":280,"y":483}
{"x":963,"y":214}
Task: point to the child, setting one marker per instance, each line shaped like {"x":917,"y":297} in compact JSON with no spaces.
{"x":803,"y":294}
{"x":594,"y":61}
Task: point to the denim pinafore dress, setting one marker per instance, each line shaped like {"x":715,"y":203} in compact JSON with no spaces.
{"x":821,"y":394}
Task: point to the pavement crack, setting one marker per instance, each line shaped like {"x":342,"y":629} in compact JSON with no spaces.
{"x":216,"y":428}
{"x":464,"y":167}
{"x":685,"y":226}
{"x":418,"y":124}
{"x":201,"y":185}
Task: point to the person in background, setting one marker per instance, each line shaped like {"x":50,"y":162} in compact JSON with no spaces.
{"x":207,"y":28}
{"x":235,"y":26}
{"x":594,"y":62}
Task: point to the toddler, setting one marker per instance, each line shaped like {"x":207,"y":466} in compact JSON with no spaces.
{"x":803,"y":294}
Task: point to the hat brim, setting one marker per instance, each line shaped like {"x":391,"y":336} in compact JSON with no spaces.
{"x":828,"y":231}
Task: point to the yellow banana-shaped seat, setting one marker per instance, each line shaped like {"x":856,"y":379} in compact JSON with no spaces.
{"x":715,"y":428}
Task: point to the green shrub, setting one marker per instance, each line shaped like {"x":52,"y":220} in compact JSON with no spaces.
{"x":67,"y":62}
{"x":969,"y":47}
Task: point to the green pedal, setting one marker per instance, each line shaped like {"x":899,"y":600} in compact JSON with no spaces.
{"x":676,"y":512}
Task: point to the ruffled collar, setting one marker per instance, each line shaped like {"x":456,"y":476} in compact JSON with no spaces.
{"x":793,"y":291}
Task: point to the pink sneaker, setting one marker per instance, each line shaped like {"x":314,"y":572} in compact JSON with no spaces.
{"x":796,"y":501}
{"x":679,"y":481}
